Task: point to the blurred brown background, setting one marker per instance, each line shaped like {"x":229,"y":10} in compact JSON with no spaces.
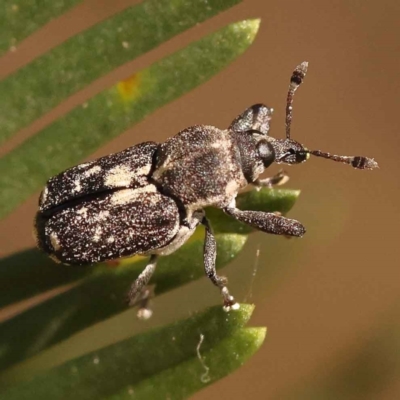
{"x":329,"y":299}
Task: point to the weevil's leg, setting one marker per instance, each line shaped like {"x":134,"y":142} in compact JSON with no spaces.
{"x":279,"y":179}
{"x":135,"y":293}
{"x":144,"y":311}
{"x":210,"y":253}
{"x":267,"y":222}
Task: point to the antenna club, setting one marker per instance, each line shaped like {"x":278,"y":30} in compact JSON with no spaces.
{"x":295,"y":81}
{"x":303,"y":66}
{"x":299,"y":74}
{"x":358,"y":162}
{"x":361,"y":162}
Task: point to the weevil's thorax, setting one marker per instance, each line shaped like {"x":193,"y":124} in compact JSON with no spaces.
{"x":256,"y":153}
{"x":200,"y":167}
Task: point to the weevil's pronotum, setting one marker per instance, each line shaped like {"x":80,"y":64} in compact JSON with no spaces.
{"x":149,"y":198}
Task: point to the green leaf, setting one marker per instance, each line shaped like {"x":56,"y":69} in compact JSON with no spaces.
{"x":67,"y":141}
{"x":100,"y":296}
{"x":47,"y":81}
{"x":31,"y":272}
{"x":20,"y":18}
{"x":189,"y":377}
{"x":158,"y":364}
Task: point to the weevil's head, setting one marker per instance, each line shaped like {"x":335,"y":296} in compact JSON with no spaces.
{"x":288,"y":151}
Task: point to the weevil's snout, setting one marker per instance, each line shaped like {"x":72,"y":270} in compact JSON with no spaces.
{"x":289,"y":151}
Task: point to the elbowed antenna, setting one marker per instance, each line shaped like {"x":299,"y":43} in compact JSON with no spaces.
{"x":295,"y":81}
{"x":358,"y":162}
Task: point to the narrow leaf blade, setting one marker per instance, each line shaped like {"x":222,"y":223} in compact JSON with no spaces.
{"x":103,"y":373}
{"x":20,"y":18}
{"x":47,"y":81}
{"x":189,"y":377}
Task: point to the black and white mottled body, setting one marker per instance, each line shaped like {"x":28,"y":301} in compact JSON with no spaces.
{"x":149,"y":198}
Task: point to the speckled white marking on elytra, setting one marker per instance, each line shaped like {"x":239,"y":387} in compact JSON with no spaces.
{"x":122,"y":197}
{"x":97,"y":234}
{"x":55,"y":242}
{"x":44,"y":195}
{"x":145,"y":170}
{"x":154,"y":200}
{"x":92,"y":171}
{"x":119,"y":176}
{"x":103,"y":215}
{"x":128,"y":195}
{"x":111,"y":239}
{"x":84,"y":165}
{"x":82,"y":211}
{"x":77,"y":187}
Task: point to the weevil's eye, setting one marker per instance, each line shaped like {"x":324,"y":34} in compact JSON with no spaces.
{"x":266,"y":152}
{"x":302,"y":156}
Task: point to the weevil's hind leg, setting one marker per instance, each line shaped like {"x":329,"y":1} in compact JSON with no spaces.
{"x":278,"y":179}
{"x":267,"y":222}
{"x":137,"y":291}
{"x":210,"y":253}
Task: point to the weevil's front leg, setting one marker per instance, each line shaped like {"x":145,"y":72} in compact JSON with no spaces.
{"x":267,"y":222}
{"x":279,"y":179}
{"x":210,"y":253}
{"x":135,"y":293}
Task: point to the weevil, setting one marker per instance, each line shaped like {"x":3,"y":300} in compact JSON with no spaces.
{"x":149,"y":198}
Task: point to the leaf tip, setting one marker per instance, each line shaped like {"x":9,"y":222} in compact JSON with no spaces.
{"x":245,"y":30}
{"x":296,"y":193}
{"x":250,"y":26}
{"x":257,"y":334}
{"x":255,"y":24}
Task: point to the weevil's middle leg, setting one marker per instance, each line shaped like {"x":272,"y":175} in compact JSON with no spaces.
{"x":278,"y":179}
{"x":136,"y":290}
{"x":210,"y":254}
